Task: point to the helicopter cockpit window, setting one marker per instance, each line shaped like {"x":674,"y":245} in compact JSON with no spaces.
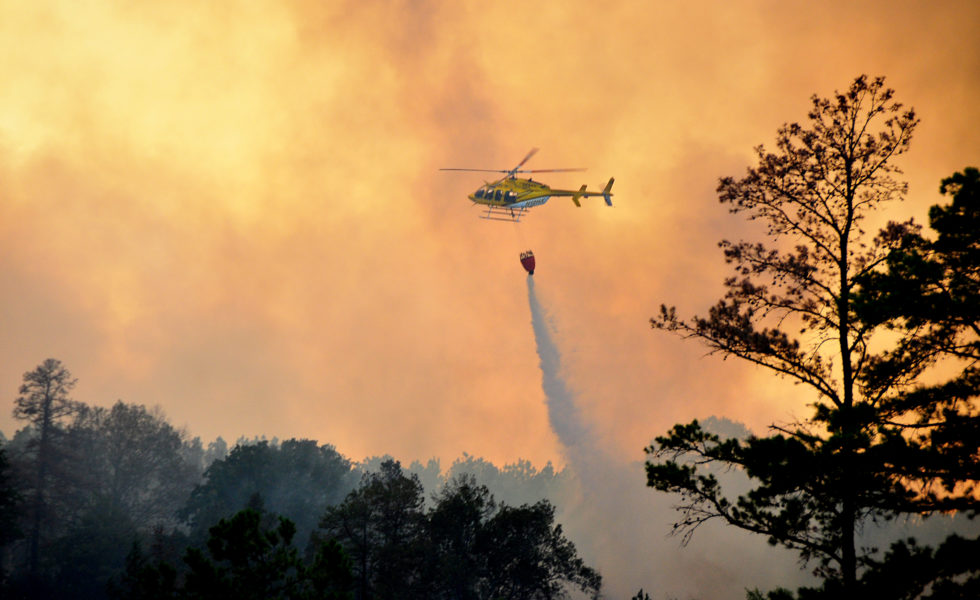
{"x":496,"y":195}
{"x":479,"y":193}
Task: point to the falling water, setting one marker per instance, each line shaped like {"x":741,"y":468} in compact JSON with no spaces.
{"x":577,"y":439}
{"x":621,"y":527}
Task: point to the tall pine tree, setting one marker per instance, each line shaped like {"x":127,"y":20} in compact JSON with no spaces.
{"x":790,"y":308}
{"x":43,"y":401}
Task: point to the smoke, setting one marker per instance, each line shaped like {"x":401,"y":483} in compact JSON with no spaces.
{"x":622,"y":528}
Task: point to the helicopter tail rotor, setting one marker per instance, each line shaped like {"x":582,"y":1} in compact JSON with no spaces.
{"x":607,"y":192}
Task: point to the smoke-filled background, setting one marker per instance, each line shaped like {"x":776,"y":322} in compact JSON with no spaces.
{"x":234,"y":210}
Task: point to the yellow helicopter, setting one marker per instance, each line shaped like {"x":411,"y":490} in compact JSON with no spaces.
{"x":508,"y":198}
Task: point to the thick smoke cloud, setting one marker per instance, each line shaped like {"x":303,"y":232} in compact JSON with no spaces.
{"x":238,"y":214}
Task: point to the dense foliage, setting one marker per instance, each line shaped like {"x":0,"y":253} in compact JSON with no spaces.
{"x":465,"y":546}
{"x":247,"y":556}
{"x":296,"y":478}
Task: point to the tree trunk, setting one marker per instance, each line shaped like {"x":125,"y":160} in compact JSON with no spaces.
{"x":42,"y":467}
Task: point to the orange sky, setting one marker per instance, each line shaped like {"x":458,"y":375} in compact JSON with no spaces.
{"x":237,"y":214}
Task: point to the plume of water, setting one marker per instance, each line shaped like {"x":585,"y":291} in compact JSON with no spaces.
{"x":604,"y":484}
{"x":563,"y":413}
{"x":621,"y":527}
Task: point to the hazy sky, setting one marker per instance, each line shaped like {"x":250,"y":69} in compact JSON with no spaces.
{"x":234,"y":210}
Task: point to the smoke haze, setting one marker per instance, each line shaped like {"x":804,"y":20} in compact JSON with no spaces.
{"x":238,"y":214}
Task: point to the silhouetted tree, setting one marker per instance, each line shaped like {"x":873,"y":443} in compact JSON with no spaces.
{"x":144,"y":578}
{"x":138,"y":458}
{"x":429,"y":474}
{"x":481,"y":549}
{"x":43,"y":401}
{"x":379,"y":524}
{"x":465,"y":547}
{"x":297,"y":479}
{"x":122,"y":476}
{"x":192,"y":453}
{"x":9,"y":502}
{"x":790,"y":308}
{"x":928,"y":294}
{"x":330,"y":572}
{"x":217,"y":450}
{"x":94,"y":478}
{"x":248,"y":556}
{"x":530,"y":557}
{"x":80,"y":561}
{"x":516,"y":483}
{"x":459,"y":542}
{"x":9,"y":513}
{"x":246,"y":560}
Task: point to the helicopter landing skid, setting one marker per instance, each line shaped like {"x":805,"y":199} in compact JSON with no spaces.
{"x":504,"y":213}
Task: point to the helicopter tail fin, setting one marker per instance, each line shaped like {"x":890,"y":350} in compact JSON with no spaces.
{"x":607,"y":191}
{"x":575,"y":197}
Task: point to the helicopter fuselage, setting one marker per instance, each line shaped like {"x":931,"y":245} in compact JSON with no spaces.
{"x":508,"y":198}
{"x":515,"y":192}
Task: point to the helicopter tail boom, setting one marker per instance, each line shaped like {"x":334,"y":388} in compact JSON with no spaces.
{"x":606,"y":193}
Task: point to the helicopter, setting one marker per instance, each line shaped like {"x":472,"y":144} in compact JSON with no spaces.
{"x":510,"y":197}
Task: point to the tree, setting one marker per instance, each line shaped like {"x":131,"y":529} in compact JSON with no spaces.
{"x":790,"y":308}
{"x":80,"y":561}
{"x":138,"y":457}
{"x":9,"y":511}
{"x":249,"y":555}
{"x":516,"y":483}
{"x":144,"y":579}
{"x":530,"y":557}
{"x":43,"y":401}
{"x":246,"y":559}
{"x":9,"y":504}
{"x":928,"y":294}
{"x":380,"y":525}
{"x":118,"y":473}
{"x":456,"y":531}
{"x":478,"y":548}
{"x":466,"y":547}
{"x":330,"y":572}
{"x":217,"y":450}
{"x":297,"y":479}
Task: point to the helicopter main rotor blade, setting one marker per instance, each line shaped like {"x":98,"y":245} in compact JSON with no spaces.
{"x":479,"y":170}
{"x":519,"y":170}
{"x":521,"y":164}
{"x":526,"y":158}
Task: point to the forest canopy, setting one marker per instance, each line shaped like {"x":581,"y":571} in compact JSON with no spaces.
{"x":98,"y":502}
